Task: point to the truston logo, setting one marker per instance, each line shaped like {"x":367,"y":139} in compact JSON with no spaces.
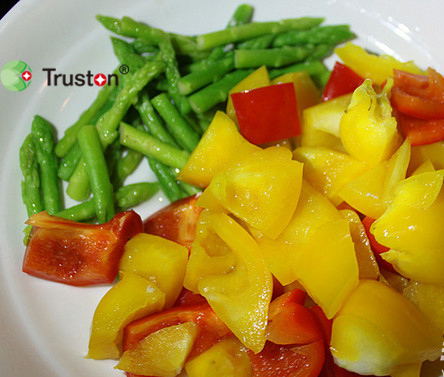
{"x":16,"y":75}
{"x":79,"y":79}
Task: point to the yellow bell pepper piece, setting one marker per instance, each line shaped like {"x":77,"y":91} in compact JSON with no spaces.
{"x":412,"y":228}
{"x":307,"y":93}
{"x":258,"y":79}
{"x":378,"y":330}
{"x":421,"y":153}
{"x":221,"y":146}
{"x":228,"y":358}
{"x":162,"y":353}
{"x":159,"y":260}
{"x":374,"y":67}
{"x":131,"y":298}
{"x":328,"y":170}
{"x":368,"y":130}
{"x":240,"y":296}
{"x":367,"y":265}
{"x":429,"y":299}
{"x":371,"y":192}
{"x":327,"y":267}
{"x":262,"y":190}
{"x":312,"y":211}
{"x":425,"y":167}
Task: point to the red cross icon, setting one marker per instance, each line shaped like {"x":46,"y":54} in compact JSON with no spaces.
{"x":26,"y":75}
{"x":100,"y":79}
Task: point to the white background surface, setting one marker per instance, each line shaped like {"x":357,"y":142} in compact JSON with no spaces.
{"x":44,"y":326}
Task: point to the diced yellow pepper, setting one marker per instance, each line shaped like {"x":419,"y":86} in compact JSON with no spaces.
{"x":228,"y":358}
{"x":162,"y":353}
{"x":241,"y":295}
{"x":326,"y":116}
{"x":221,"y":146}
{"x":374,"y":67}
{"x":378,"y":330}
{"x":307,"y":93}
{"x":262,"y":190}
{"x":131,"y":298}
{"x":368,"y":267}
{"x":327,"y":267}
{"x":371,"y":192}
{"x":312,"y":211}
{"x":368,"y":130}
{"x":429,"y":299}
{"x":159,"y":260}
{"x":258,"y":79}
{"x":412,"y":228}
{"x":425,"y":167}
{"x":433,"y":152}
{"x":328,"y":170}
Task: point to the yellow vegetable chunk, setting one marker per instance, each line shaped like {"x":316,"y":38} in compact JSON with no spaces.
{"x":258,"y":79}
{"x":375,"y":67}
{"x":433,"y":152}
{"x":412,"y":228}
{"x":220,"y":146}
{"x":312,"y":211}
{"x":368,"y":267}
{"x":239,"y":296}
{"x":159,"y":260}
{"x":378,"y":330}
{"x":327,"y":267}
{"x":263,"y":190}
{"x":228,"y":358}
{"x":131,"y":298}
{"x":162,"y":353}
{"x":371,"y":192}
{"x":429,"y":299}
{"x":328,"y":170}
{"x":368,"y":131}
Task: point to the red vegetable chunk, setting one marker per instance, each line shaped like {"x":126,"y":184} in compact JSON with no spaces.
{"x":78,"y":254}
{"x":343,"y":80}
{"x":176,"y":222}
{"x":267,"y":114}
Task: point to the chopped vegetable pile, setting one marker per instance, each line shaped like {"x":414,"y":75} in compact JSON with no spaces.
{"x":304,"y":235}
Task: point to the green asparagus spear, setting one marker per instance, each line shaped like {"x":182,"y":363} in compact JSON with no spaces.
{"x":131,"y":195}
{"x":264,"y":41}
{"x":126,"y":197}
{"x":312,"y":67}
{"x":43,"y":139}
{"x":142,"y":47}
{"x":217,"y":92}
{"x":184,"y":135}
{"x":331,"y":34}
{"x":241,"y":16}
{"x":144,"y":143}
{"x":167,"y":180}
{"x":31,"y":179}
{"x":275,"y":57}
{"x":252,"y":30}
{"x":211,"y":72}
{"x":69,"y":162}
{"x":97,"y":170}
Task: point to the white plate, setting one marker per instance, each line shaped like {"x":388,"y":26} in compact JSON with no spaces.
{"x":44,"y":326}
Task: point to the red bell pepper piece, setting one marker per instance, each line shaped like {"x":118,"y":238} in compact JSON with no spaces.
{"x":288,"y":361}
{"x":75,"y":253}
{"x":290,"y":322}
{"x":267,"y":114}
{"x":377,"y":248}
{"x":212,"y":329}
{"x":186,"y":297}
{"x":176,"y":222}
{"x":343,"y":80}
{"x":420,"y":131}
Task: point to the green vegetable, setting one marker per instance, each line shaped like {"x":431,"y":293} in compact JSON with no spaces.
{"x":97,"y":170}
{"x":217,"y":92}
{"x":31,"y":180}
{"x":252,"y":30}
{"x":184,"y":135}
{"x":43,"y":140}
{"x":146,"y":144}
{"x":166,"y":179}
{"x":314,"y":67}
{"x":273,"y":57}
